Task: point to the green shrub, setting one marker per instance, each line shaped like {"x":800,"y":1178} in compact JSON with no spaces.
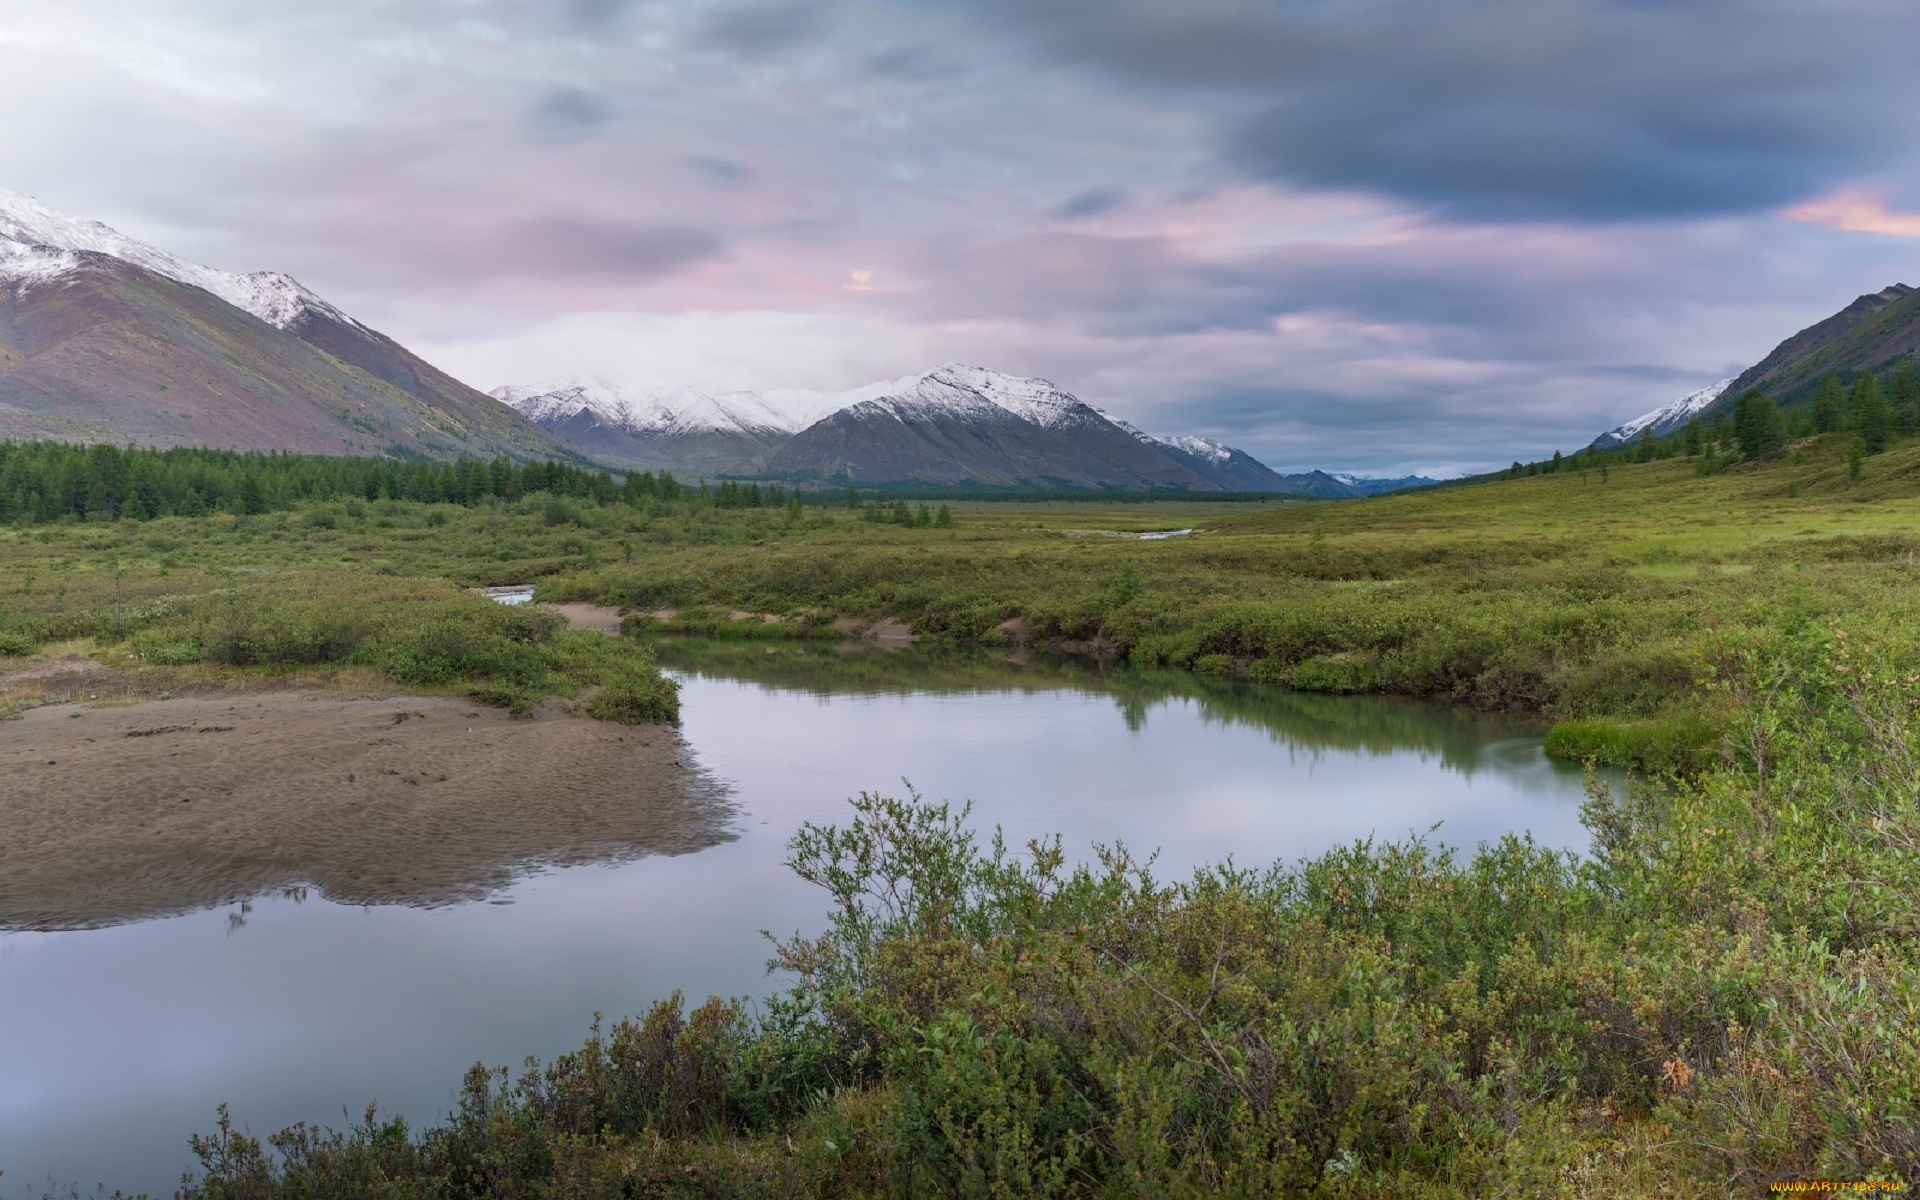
{"x":1668,"y":745}
{"x":1214,"y":664}
{"x":14,"y":644}
{"x":1331,"y":673}
{"x":637,"y":701}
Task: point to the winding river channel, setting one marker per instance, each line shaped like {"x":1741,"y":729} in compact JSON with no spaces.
{"x":117,"y":1043}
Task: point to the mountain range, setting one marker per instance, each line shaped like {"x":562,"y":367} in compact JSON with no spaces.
{"x":1873,"y":333}
{"x":952,"y":426}
{"x":105,"y":338}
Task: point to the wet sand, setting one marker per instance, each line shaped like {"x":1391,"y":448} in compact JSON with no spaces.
{"x":131,"y":811}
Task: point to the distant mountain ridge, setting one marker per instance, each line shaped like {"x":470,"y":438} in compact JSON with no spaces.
{"x":956,"y":425}
{"x":105,"y":338}
{"x":1664,"y":420}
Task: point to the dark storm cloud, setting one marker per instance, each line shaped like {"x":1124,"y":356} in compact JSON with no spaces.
{"x":1530,"y":109}
{"x":569,"y":115}
{"x":759,"y":30}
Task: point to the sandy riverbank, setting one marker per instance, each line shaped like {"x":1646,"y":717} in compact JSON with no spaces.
{"x":129,"y":811}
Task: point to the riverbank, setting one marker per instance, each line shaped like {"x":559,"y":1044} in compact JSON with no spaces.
{"x":121,"y":812}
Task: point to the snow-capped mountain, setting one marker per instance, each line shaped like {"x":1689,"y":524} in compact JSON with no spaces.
{"x":954,"y":424}
{"x":106,"y":338}
{"x":1665,"y":420}
{"x":39,"y":243}
{"x":685,"y":410}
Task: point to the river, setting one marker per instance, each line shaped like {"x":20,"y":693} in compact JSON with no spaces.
{"x":117,"y":1043}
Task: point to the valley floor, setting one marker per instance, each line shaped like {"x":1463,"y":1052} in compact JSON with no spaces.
{"x":1718,"y":995}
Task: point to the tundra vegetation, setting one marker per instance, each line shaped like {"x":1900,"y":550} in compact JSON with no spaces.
{"x":1722,"y":992}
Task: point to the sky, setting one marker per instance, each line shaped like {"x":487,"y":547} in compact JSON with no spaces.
{"x":1384,"y":236}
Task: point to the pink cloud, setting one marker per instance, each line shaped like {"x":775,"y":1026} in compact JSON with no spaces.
{"x":1855,"y":210}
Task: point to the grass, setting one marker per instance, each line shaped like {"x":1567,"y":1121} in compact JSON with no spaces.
{"x":1578,"y":596}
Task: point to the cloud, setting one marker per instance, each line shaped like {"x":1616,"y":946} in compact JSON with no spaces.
{"x":1520,"y":109}
{"x":720,"y":172}
{"x":1091,"y":203}
{"x":1856,"y":210}
{"x":759,"y":30}
{"x":1370,"y":234}
{"x":569,"y":114}
{"x":592,"y":247}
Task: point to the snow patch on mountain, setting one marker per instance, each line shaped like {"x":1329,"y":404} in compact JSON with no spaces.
{"x":973,"y":393}
{"x":39,"y":243}
{"x":1199,"y":447}
{"x":667,"y":411}
{"x":1664,"y":420}
{"x":1375,"y":485}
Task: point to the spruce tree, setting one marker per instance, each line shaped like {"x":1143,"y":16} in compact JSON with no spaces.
{"x":1757,"y":426}
{"x":1827,"y":405}
{"x":1695,"y":437}
{"x":1868,"y":407}
{"x":1903,"y":395}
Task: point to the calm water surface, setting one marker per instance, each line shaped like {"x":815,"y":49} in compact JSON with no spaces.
{"x":115,"y":1044}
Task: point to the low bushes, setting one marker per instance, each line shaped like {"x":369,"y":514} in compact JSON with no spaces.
{"x":419,"y":633}
{"x":1667,"y":746}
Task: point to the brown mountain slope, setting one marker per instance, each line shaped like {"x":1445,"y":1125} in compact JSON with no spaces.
{"x":110,"y":351}
{"x":1870,"y":333}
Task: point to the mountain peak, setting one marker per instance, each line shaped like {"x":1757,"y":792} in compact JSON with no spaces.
{"x":38,"y":242}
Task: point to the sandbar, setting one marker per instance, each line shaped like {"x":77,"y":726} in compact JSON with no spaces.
{"x":129,"y":811}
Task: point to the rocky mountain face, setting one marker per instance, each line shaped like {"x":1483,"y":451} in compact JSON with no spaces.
{"x":953,"y":426}
{"x":1872,"y":333}
{"x":104,"y":338}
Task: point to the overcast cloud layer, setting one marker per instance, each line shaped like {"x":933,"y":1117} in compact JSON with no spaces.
{"x":1381,"y":235}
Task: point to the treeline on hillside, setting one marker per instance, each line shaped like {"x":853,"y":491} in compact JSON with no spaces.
{"x":46,"y":481}
{"x":1757,"y":428}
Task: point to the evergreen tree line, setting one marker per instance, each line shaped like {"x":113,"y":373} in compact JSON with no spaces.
{"x":48,"y":481}
{"x":1757,"y":428}
{"x":900,"y":513}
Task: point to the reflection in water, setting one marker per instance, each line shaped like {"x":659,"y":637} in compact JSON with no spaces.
{"x":313,"y":1008}
{"x":1301,"y":720}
